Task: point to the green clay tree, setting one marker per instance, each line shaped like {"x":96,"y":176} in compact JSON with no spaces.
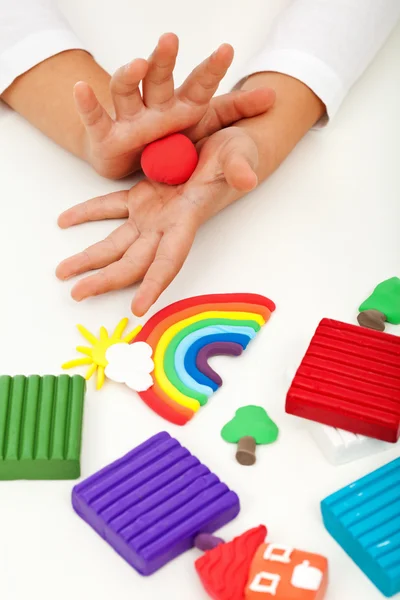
{"x":382,"y":305}
{"x":250,"y":426}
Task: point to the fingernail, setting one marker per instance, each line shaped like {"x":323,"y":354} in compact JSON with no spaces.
{"x":136,"y":308}
{"x":126,"y":67}
{"x":61,"y":275}
{"x":77,"y":297}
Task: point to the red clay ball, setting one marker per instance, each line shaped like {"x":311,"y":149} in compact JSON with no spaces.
{"x":170,"y":160}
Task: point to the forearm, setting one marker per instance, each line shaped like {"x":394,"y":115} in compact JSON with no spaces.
{"x":43,"y":95}
{"x":276,"y":133}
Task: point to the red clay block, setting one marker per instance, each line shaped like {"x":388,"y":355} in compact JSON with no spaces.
{"x":350,"y":378}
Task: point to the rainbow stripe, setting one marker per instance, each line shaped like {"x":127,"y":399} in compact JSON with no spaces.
{"x":179,"y":332}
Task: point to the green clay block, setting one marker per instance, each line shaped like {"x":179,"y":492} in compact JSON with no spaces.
{"x":250,"y":421}
{"x":386,"y":299}
{"x":41,"y":426}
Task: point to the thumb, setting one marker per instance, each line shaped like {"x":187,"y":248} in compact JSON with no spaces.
{"x":230,"y":108}
{"x":239,"y":162}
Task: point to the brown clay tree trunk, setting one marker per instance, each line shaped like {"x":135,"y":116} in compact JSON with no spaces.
{"x":246,"y":451}
{"x":372,"y":319}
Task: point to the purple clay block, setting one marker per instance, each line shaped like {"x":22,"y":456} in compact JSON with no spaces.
{"x":152,"y":503}
{"x":216,"y":349}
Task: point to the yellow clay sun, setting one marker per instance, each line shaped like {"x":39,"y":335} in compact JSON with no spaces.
{"x":96,"y":355}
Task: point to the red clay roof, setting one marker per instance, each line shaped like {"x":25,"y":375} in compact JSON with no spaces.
{"x":224,"y":570}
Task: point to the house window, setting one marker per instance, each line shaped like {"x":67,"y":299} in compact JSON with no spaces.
{"x":278,"y":553}
{"x":306,"y":577}
{"x":266,"y":583}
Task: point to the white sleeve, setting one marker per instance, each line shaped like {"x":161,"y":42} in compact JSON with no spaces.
{"x":30,"y":32}
{"x":326,"y":44}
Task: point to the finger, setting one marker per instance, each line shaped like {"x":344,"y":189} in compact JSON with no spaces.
{"x":158,"y":85}
{"x":203,"y":82}
{"x":126,"y":271}
{"x":110,"y":206}
{"x":125,"y":90}
{"x":246,"y":103}
{"x":229,"y":108}
{"x":94,"y":117}
{"x":99,"y":255}
{"x":172,"y":251}
{"x":239,"y":173}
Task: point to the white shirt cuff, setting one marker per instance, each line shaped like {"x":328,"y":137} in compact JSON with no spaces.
{"x":314,"y":73}
{"x":32,"y":50}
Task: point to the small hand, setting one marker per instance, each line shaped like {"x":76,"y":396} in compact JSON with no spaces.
{"x":162,"y":222}
{"x":114,"y":146}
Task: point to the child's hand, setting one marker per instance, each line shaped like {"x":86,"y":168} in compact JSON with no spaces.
{"x":114,"y":147}
{"x":162,"y":222}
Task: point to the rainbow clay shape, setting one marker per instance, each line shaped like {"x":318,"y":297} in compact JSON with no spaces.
{"x":228,"y":348}
{"x":349,"y":378}
{"x":166,"y":360}
{"x":94,"y":356}
{"x":166,"y":355}
{"x":151,"y":504}
{"x":250,"y":426}
{"x":183,"y":333}
{"x":41,"y":426}
{"x":382,"y":305}
{"x":364,"y":518}
{"x":184,"y":373}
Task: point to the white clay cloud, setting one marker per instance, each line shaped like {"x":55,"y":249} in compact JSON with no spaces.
{"x":130,"y":364}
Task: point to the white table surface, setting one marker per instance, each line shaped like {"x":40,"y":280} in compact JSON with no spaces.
{"x":315,"y":238}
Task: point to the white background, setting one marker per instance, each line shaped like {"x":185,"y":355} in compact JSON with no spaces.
{"x":315,"y":238}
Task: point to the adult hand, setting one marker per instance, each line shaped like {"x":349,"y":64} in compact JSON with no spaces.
{"x":162,"y":222}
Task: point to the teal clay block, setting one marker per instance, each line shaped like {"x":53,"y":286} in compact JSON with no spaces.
{"x":41,"y":426}
{"x":364,"y":518}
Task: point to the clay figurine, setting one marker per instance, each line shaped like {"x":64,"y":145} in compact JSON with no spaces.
{"x":249,"y":567}
{"x":381,"y":306}
{"x":250,"y":426}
